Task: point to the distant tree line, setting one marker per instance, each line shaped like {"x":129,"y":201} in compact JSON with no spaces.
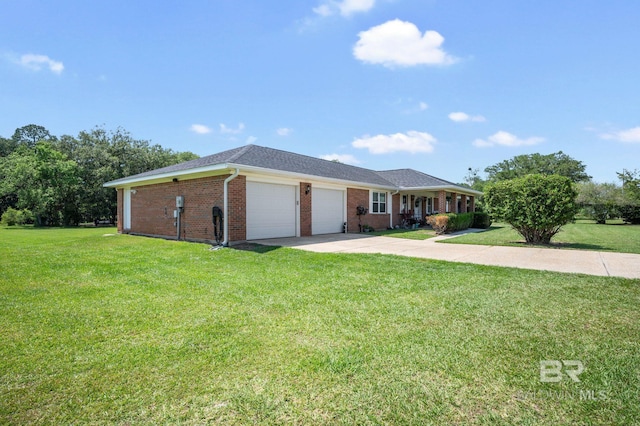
{"x":54,"y":180}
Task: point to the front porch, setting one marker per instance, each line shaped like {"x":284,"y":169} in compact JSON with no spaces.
{"x":417,"y":205}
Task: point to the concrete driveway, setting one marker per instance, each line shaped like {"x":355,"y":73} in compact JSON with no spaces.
{"x":558,"y":260}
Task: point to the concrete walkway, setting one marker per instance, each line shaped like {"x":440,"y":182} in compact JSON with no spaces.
{"x":558,"y":260}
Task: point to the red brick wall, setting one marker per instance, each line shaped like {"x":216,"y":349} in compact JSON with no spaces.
{"x":120,"y":218}
{"x":152,"y":208}
{"x":396,"y":210}
{"x":355,"y":198}
{"x":237,"y":208}
{"x":305,"y":210}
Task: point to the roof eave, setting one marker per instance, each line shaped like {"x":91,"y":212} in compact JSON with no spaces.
{"x":167,"y":177}
{"x":305,"y":176}
{"x":442,"y":188}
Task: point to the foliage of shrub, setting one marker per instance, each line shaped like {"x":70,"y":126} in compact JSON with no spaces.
{"x":450,"y":222}
{"x":481,"y":220}
{"x":12,"y":217}
{"x":630,"y":213}
{"x":439,"y":223}
{"x":536,"y":206}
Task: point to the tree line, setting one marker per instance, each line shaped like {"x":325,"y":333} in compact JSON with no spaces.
{"x":600,"y":201}
{"x":50,"y":180}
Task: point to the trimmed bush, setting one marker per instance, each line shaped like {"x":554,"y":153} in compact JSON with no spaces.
{"x":450,"y":222}
{"x":481,"y":220}
{"x":630,"y":214}
{"x":439,"y":223}
{"x":12,"y":217}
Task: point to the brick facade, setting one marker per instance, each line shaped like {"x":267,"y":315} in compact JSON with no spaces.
{"x":152,"y":208}
{"x":119,"y":216}
{"x":360,"y":197}
{"x":305,"y":209}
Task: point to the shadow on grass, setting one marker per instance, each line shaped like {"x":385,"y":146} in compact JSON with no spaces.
{"x":255,"y":248}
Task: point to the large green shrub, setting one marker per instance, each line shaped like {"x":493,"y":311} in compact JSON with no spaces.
{"x":630,"y":213}
{"x":12,"y":217}
{"x":536,"y":206}
{"x":481,"y":220}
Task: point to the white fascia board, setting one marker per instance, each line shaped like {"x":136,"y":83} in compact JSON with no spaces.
{"x":450,"y":188}
{"x":312,"y":178}
{"x":167,"y":177}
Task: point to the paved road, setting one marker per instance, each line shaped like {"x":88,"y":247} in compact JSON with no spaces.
{"x":575,"y":261}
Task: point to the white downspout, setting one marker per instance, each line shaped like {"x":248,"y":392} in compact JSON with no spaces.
{"x":391,"y":208}
{"x":235,"y":174}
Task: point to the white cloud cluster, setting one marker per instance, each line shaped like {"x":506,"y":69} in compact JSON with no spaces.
{"x":343,"y":158}
{"x":503,"y":138}
{"x":284,"y":131}
{"x":400,"y":43}
{"x":37,"y":62}
{"x":231,"y":131}
{"x":344,"y":7}
{"x":200,"y":129}
{"x":460,"y":117}
{"x":630,"y":135}
{"x":412,"y":142}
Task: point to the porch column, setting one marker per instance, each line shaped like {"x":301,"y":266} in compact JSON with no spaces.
{"x":454,"y":202}
{"x":442,"y":201}
{"x":463,"y":203}
{"x":473,"y":203}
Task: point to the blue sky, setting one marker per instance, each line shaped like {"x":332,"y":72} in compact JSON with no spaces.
{"x":435,"y":85}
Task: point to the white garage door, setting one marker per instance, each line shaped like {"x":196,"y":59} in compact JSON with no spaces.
{"x":271,"y":210}
{"x":327,"y":211}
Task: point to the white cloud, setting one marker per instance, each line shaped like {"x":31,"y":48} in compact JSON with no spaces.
{"x":503,"y":138}
{"x":344,"y":7}
{"x":400,"y":43}
{"x":284,"y":131}
{"x":630,"y":135}
{"x":227,"y":130}
{"x":411,"y":141}
{"x":460,"y":117}
{"x":343,"y":158}
{"x":250,"y":140}
{"x":200,"y":129}
{"x":37,"y":62}
{"x":422,"y":106}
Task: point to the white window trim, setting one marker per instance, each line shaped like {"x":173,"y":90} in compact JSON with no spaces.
{"x":386,"y":202}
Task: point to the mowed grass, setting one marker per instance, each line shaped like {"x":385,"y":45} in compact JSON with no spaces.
{"x":121,"y":330}
{"x":410,"y":234}
{"x":581,"y":235}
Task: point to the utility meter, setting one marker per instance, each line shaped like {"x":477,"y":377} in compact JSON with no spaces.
{"x":179,"y":201}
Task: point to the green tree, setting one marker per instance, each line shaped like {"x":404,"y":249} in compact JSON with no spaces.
{"x":557,"y":163}
{"x":536,"y":206}
{"x":630,"y":203}
{"x":30,"y":135}
{"x":599,"y":201}
{"x":45,"y":182}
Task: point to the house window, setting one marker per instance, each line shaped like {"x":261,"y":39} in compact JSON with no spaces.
{"x":378,"y":202}
{"x":403,"y":206}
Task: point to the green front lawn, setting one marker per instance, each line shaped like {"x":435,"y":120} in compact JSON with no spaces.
{"x":410,"y":234}
{"x":583,"y":235}
{"x":126,"y":330}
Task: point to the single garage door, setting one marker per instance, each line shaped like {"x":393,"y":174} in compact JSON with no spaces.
{"x":271,"y":210}
{"x":327,"y":211}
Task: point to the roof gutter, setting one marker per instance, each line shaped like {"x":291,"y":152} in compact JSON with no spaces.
{"x":235,"y":174}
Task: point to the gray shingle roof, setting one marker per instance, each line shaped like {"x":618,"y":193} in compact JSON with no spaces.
{"x":409,"y":178}
{"x":269,"y":158}
{"x":275,"y":159}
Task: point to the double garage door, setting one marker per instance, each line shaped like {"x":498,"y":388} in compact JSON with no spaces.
{"x":272,"y":211}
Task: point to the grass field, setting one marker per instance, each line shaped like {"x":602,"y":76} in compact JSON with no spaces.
{"x":583,"y":235}
{"x":120,"y":329}
{"x":410,"y":234}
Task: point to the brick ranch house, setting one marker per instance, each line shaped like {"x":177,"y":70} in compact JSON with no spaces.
{"x":269,"y":193}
